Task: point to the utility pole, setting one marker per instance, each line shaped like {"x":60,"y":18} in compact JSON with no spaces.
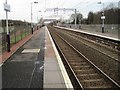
{"x":32,"y":16}
{"x":75,"y":18}
{"x":102,"y":17}
{"x":7,"y":9}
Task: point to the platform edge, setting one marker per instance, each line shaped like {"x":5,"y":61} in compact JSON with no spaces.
{"x":62,"y":68}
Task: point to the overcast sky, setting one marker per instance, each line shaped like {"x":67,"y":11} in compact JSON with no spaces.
{"x":21,"y":9}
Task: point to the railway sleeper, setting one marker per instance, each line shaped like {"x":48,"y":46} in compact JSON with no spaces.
{"x":71,"y":53}
{"x":65,"y":48}
{"x":93,"y":74}
{"x":95,"y":83}
{"x":81,"y":68}
{"x":98,"y":87}
{"x":78,"y":71}
{"x":89,"y":76}
{"x":71,"y":56}
{"x":82,"y":63}
{"x":78,"y":64}
{"x":84,"y":67}
{"x":74,"y":61}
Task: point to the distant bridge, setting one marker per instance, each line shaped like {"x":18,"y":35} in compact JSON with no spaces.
{"x":49,"y":20}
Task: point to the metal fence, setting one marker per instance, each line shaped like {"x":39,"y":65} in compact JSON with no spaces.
{"x":112,"y":29}
{"x":17,"y":33}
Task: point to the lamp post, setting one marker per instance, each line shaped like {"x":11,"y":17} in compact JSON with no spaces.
{"x":37,"y":16}
{"x":7,"y":9}
{"x":75,"y":18}
{"x":32,"y":16}
{"x":103,"y":18}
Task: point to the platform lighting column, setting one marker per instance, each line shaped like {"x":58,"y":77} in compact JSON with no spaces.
{"x":75,"y":18}
{"x":37,"y":16}
{"x":103,"y":18}
{"x":103,"y":22}
{"x":7,"y":9}
{"x":32,"y":16}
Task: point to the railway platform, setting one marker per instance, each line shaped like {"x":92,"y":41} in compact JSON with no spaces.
{"x":55,"y":75}
{"x":94,"y":33}
{"x":36,"y":64}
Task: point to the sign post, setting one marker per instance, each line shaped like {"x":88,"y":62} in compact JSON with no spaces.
{"x":103,"y":22}
{"x":102,"y":17}
{"x":7,"y":9}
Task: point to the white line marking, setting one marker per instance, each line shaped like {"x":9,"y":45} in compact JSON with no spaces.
{"x":1,"y":64}
{"x":41,"y":67}
{"x":32,"y":76}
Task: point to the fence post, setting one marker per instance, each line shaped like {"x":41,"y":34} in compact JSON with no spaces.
{"x":21,"y":34}
{"x":15,"y":35}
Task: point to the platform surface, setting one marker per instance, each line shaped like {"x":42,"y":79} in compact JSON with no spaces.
{"x":55,"y":75}
{"x":24,"y":69}
{"x":36,"y":64}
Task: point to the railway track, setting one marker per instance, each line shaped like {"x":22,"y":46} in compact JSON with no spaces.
{"x":105,"y":58}
{"x":87,"y":74}
{"x":97,"y":46}
{"x":102,"y":40}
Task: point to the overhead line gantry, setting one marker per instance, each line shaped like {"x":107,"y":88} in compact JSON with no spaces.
{"x":63,"y":9}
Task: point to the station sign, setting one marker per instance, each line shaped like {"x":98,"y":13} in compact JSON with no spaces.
{"x":102,"y":17}
{"x":6,"y":7}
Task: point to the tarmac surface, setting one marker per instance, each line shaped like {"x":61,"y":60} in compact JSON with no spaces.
{"x":25,"y":69}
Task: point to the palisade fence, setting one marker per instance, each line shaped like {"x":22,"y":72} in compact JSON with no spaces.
{"x":113,"y":29}
{"x":17,"y":33}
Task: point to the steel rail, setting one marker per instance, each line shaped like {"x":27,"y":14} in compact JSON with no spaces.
{"x":68,"y":64}
{"x":111,"y":80}
{"x":95,"y":48}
